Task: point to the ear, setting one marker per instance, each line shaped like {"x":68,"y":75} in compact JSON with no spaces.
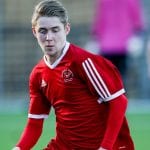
{"x":67,"y":28}
{"x":34,"y":32}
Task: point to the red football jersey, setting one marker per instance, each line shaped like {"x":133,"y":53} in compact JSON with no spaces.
{"x":78,"y":86}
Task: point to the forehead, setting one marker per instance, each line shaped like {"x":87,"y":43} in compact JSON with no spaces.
{"x":48,"y":22}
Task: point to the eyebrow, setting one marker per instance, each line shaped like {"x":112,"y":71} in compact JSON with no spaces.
{"x":42,"y":28}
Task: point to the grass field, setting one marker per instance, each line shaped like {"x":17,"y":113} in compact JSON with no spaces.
{"x":12,"y":125}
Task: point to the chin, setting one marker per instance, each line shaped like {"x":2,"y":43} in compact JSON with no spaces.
{"x":51,"y":54}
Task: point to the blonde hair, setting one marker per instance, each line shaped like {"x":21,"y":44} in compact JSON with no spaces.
{"x":49,"y":8}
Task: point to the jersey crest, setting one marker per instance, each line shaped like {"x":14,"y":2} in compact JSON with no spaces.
{"x":67,"y":75}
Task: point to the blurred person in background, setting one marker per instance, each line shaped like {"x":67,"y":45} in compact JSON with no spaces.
{"x":116,"y":27}
{"x":89,"y":104}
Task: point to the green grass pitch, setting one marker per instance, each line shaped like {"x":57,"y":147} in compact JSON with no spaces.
{"x":12,"y":125}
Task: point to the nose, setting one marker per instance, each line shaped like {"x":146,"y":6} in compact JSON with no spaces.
{"x":49,"y":36}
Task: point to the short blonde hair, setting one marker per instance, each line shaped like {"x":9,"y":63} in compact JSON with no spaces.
{"x":50,"y":8}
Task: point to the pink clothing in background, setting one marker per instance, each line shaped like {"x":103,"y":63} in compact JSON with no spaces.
{"x":115,"y":21}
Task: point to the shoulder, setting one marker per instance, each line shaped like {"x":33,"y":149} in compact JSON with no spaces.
{"x":79,"y":54}
{"x":37,"y":70}
{"x":81,"y":57}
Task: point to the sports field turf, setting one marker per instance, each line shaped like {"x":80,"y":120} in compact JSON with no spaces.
{"x":11,"y":127}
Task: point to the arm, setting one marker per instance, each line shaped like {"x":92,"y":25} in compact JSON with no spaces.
{"x":30,"y":134}
{"x":106,"y":81}
{"x":39,"y":108}
{"x":117,"y":108}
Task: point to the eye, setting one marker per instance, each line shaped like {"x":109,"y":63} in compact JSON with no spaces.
{"x":42,"y":30}
{"x":55,"y":29}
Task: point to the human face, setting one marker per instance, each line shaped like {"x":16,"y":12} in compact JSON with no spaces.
{"x":51,"y":36}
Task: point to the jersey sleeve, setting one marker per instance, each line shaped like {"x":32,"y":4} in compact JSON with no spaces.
{"x":104,"y":77}
{"x":39,"y":107}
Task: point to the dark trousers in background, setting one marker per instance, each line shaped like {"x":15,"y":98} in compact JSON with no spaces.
{"x":120,"y":61}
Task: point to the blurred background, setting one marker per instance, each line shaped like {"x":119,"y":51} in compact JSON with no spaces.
{"x":19,"y":52}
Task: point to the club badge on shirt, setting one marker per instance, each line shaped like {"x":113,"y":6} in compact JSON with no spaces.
{"x":67,"y":75}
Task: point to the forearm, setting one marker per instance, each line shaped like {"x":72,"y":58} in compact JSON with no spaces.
{"x":30,"y":134}
{"x":116,"y":115}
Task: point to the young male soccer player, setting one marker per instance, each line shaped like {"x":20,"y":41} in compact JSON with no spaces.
{"x":84,"y":89}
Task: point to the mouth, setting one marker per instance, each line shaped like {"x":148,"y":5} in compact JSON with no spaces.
{"x":49,"y":46}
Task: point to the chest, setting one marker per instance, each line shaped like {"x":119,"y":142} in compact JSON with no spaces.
{"x":61,"y":82}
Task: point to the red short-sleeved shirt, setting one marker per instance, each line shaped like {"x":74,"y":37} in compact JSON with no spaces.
{"x":77,"y":85}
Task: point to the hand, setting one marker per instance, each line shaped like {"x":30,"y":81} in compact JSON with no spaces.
{"x":102,"y":148}
{"x":16,"y":148}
